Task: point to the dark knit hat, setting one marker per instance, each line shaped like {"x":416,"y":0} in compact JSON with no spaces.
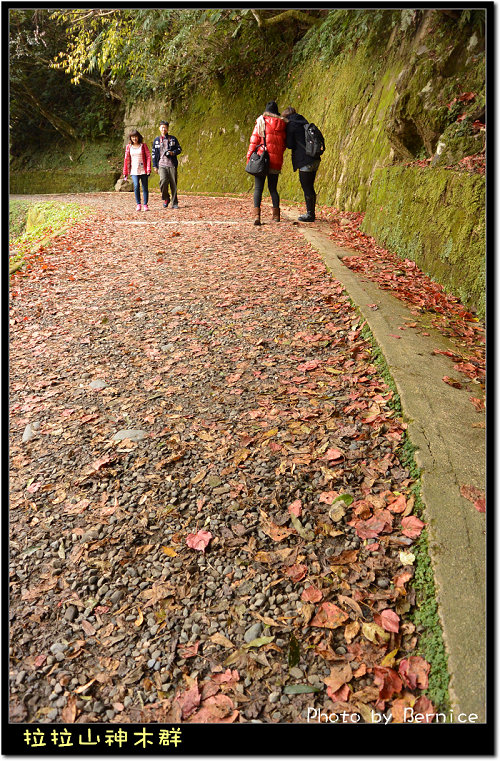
{"x":272,"y":108}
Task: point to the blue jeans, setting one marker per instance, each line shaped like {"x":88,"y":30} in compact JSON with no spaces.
{"x":143,"y":178}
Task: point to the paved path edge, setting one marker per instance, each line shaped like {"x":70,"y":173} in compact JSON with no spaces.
{"x":450,"y":453}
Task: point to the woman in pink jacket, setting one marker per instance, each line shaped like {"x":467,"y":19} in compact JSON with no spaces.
{"x":137,"y":165}
{"x":273,"y":126}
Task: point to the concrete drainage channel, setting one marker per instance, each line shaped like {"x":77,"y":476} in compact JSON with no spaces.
{"x":450,"y":452}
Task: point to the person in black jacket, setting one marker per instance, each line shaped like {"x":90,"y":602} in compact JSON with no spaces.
{"x":166,"y":148}
{"x":306,"y":165}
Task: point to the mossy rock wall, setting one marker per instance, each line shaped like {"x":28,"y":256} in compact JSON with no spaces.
{"x":34,"y":182}
{"x":436,"y":218}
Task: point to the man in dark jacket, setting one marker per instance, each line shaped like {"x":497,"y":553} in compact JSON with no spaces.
{"x":166,"y":148}
{"x":306,"y":165}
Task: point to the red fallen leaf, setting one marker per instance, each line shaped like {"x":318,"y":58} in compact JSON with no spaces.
{"x":295,"y":508}
{"x":412,"y":526}
{"x":401,"y":579}
{"x":388,"y":682}
{"x":189,"y":700}
{"x":218,"y":708}
{"x":311,"y":594}
{"x":328,"y":496}
{"x":399,"y":504}
{"x":414,"y":672}
{"x":392,"y":335}
{"x":329,"y":616}
{"x":342,"y":694}
{"x":424,"y":706}
{"x":32,"y":488}
{"x":332,"y":454}
{"x":466,"y":96}
{"x":474,"y":495}
{"x":306,"y":366}
{"x":451,"y":382}
{"x":189,"y":651}
{"x":371,"y":528}
{"x":226,"y":677}
{"x":478,"y":403}
{"x":97,"y":464}
{"x":40,"y":660}
{"x":199,"y":541}
{"x":296,"y":572}
{"x":389,"y":620}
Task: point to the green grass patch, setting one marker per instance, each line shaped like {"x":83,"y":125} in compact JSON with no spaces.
{"x":32,"y":224}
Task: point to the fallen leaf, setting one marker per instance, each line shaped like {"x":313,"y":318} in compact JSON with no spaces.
{"x":329,"y":616}
{"x":199,"y":541}
{"x":390,"y":620}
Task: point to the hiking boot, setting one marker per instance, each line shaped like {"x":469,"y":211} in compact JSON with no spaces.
{"x":175,"y":206}
{"x":276,"y":214}
{"x":138,"y":207}
{"x":166,"y":203}
{"x":145,"y":207}
{"x":310,"y":215}
{"x":257,"y":215}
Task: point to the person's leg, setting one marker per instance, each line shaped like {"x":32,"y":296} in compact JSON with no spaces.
{"x":172,"y":175}
{"x":137,"y":192}
{"x":307,"y":183}
{"x":162,"y":171}
{"x":145,"y":190}
{"x":257,"y":197}
{"x":272,"y":184}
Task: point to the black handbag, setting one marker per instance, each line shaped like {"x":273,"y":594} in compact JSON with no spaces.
{"x":258,"y":163}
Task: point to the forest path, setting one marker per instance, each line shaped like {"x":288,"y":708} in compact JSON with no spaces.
{"x":200,"y":566}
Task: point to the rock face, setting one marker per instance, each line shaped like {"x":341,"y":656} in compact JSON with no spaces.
{"x":123,"y":186}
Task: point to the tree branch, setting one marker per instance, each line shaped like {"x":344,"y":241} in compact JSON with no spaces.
{"x":288,"y":15}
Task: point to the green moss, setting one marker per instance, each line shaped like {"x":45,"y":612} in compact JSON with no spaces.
{"x":436,"y":218}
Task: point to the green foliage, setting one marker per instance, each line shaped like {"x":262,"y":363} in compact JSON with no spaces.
{"x":43,"y":101}
{"x":343,"y":31}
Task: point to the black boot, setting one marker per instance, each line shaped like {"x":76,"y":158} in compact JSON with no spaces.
{"x":310,"y":215}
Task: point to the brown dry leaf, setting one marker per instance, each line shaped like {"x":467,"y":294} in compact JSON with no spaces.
{"x":88,"y":628}
{"x":84,"y":687}
{"x":220,"y":639}
{"x":140,"y":618}
{"x":275,"y":532}
{"x":351,"y":630}
{"x":69,"y":712}
{"x":351,"y":603}
{"x":339,"y":674}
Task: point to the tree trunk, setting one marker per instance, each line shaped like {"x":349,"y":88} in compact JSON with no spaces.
{"x":62,"y":126}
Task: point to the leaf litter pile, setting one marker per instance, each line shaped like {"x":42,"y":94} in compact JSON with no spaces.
{"x":209,"y":520}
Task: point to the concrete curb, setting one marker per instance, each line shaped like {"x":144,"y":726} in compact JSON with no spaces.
{"x":451,"y":453}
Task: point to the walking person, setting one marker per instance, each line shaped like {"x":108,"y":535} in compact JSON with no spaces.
{"x":270,"y":128}
{"x":301,"y":160}
{"x":166,"y":148}
{"x":137,"y":165}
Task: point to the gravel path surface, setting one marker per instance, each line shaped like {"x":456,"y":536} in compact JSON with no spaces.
{"x":190,"y":395}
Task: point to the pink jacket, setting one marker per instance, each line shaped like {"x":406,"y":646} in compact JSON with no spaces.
{"x":146,"y":159}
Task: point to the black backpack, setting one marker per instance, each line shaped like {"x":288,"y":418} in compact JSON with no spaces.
{"x":314,"y":141}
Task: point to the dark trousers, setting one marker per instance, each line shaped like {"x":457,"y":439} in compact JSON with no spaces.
{"x":168,"y":176}
{"x":307,"y":182}
{"x":272,"y":184}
